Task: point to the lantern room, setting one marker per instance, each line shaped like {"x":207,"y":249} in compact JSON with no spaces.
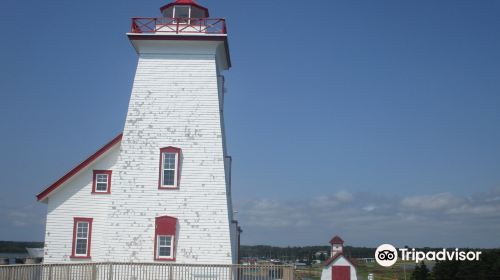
{"x":184,"y":10}
{"x":181,"y":17}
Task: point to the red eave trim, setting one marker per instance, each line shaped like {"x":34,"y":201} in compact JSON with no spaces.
{"x":78,"y":168}
{"x":221,"y":37}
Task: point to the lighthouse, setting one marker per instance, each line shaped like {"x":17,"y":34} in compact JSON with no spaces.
{"x":337,"y":246}
{"x":161,"y":190}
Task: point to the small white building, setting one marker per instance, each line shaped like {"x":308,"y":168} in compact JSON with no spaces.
{"x":338,"y":266}
{"x":161,"y":190}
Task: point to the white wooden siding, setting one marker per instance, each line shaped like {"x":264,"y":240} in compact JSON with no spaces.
{"x":75,"y":199}
{"x":175,"y":102}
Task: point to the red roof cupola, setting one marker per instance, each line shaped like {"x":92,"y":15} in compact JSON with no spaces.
{"x":337,"y":240}
{"x":184,"y":9}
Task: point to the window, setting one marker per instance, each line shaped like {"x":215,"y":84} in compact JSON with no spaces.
{"x":182,"y":13}
{"x":165,"y":246}
{"x":165,"y":232}
{"x":82,"y":232}
{"x":169,"y":167}
{"x":101,"y":183}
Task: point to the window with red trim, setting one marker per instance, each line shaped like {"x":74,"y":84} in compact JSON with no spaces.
{"x":101,"y":182}
{"x":170,"y":158}
{"x":165,"y":231}
{"x":82,"y":237}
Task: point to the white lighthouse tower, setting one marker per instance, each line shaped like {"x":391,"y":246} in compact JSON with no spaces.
{"x":161,"y":191}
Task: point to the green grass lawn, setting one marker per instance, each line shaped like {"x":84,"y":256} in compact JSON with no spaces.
{"x":397,"y":271}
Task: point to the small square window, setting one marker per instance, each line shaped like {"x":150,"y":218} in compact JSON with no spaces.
{"x":102,"y":182}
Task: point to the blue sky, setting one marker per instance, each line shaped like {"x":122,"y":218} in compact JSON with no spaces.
{"x":375,"y":120}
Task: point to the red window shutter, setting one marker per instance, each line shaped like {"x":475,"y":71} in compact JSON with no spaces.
{"x":166,"y":225}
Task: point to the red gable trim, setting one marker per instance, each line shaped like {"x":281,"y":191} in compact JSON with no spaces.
{"x":78,"y":168}
{"x":331,"y":260}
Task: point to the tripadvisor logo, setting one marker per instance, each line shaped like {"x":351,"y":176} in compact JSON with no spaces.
{"x":387,"y":255}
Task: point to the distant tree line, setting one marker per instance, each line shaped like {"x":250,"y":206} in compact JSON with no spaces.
{"x":488,"y":267}
{"x":18,"y":247}
{"x":301,"y":253}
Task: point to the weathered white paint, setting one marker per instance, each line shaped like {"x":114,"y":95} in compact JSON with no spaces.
{"x":74,"y":199}
{"x":176,"y":101}
{"x":326,"y":274}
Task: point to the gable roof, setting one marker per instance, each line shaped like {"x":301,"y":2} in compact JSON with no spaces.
{"x":44,"y":194}
{"x":336,"y":240}
{"x":337,"y":256}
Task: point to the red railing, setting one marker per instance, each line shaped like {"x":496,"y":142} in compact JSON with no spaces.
{"x":179,"y":25}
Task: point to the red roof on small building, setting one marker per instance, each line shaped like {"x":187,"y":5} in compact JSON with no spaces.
{"x":188,"y":2}
{"x":336,"y":240}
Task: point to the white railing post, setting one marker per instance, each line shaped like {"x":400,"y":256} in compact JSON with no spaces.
{"x":68,"y":272}
{"x":110,"y":271}
{"x":50,"y":272}
{"x":94,"y":271}
{"x":146,"y":271}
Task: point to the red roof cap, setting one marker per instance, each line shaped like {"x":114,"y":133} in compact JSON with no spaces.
{"x":189,"y":2}
{"x":185,"y":2}
{"x":336,"y":240}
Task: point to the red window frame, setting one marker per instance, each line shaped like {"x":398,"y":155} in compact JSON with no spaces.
{"x":76,"y":220}
{"x":94,"y":181}
{"x":177,"y":151}
{"x":165,"y":225}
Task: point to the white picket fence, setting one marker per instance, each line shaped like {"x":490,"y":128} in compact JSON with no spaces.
{"x":144,"y":271}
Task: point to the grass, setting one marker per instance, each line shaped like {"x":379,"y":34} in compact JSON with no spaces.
{"x":396,"y":272}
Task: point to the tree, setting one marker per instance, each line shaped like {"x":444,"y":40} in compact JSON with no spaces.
{"x":421,"y":272}
{"x":322,"y":257}
{"x":445,"y":270}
